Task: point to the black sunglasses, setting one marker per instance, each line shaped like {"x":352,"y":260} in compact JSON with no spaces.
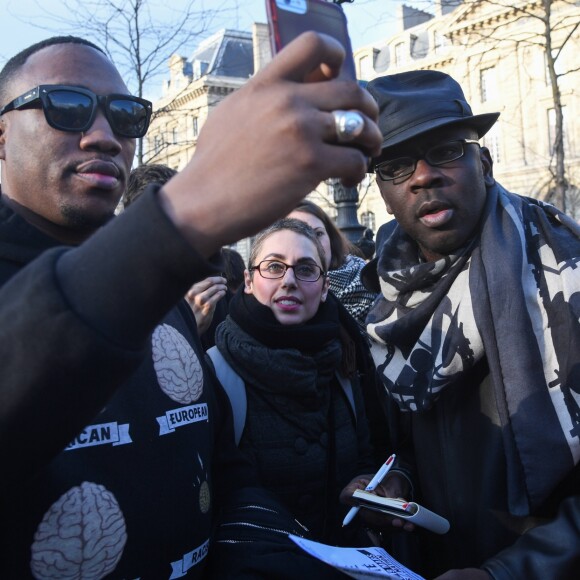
{"x":74,"y":109}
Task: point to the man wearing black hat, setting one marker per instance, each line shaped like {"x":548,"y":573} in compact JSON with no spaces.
{"x":477,"y":340}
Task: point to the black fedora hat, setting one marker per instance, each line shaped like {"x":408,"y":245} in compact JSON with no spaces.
{"x":414,"y":102}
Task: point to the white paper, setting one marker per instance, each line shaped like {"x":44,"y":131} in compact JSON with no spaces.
{"x":358,"y":562}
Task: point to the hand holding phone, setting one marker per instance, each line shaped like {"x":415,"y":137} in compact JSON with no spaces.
{"x":287,"y":19}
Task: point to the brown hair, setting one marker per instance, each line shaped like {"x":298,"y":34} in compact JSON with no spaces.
{"x":339,"y":245}
{"x":234,"y":267}
{"x":297,"y":226}
{"x":142,"y":176}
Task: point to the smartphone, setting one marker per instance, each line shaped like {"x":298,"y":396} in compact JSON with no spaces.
{"x":287,"y":19}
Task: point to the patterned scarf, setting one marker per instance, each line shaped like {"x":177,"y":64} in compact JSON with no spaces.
{"x":513,"y":296}
{"x":346,"y":285}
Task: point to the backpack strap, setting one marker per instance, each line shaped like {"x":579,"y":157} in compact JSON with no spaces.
{"x":346,"y":387}
{"x":234,"y":387}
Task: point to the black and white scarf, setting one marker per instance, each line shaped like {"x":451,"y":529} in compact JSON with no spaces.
{"x":511,"y":295}
{"x":346,"y":285}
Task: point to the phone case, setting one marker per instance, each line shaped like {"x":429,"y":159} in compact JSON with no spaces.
{"x":408,"y":510}
{"x":287,"y":19}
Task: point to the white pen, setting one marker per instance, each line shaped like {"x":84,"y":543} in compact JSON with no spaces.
{"x":379,"y":476}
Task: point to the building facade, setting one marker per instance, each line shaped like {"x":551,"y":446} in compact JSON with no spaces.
{"x":495,"y":49}
{"x":220,"y":65}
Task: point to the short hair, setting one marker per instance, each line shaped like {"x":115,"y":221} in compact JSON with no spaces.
{"x":366,"y":245}
{"x":143,"y":175}
{"x":234,"y":267}
{"x":11,"y":68}
{"x":291,"y":224}
{"x":339,"y":245}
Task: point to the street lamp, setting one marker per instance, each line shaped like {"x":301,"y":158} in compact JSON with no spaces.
{"x":346,"y":200}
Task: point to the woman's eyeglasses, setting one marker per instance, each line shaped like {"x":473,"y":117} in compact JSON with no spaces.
{"x":273,"y":269}
{"x":73,"y":109}
{"x":437,"y":155}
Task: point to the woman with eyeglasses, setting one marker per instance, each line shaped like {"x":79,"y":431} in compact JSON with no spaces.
{"x":296,"y":351}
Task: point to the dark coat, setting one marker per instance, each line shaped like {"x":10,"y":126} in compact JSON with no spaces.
{"x":120,"y":450}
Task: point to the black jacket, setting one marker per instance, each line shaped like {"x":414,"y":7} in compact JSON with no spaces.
{"x":457,"y":462}
{"x":115,"y":444}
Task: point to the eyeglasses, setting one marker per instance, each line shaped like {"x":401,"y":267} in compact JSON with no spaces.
{"x":437,"y":155}
{"x":74,"y":109}
{"x":273,"y":269}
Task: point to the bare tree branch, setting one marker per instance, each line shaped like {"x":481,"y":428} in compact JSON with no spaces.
{"x":138,"y":35}
{"x":553,"y":31}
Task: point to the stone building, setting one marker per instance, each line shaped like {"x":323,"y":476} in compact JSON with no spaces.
{"x":220,"y":65}
{"x":493,"y":48}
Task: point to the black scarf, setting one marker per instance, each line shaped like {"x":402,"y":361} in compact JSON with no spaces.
{"x":296,"y":363}
{"x":260,"y":323}
{"x":299,"y":357}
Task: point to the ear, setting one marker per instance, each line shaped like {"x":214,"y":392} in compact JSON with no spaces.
{"x":325,"y":288}
{"x":247,"y":282}
{"x":487,"y":166}
{"x":2,"y":138}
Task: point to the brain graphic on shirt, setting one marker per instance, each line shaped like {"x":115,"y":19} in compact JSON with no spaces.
{"x":81,"y":536}
{"x":178,"y":369}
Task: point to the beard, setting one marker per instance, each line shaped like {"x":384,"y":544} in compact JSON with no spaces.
{"x":79,"y":219}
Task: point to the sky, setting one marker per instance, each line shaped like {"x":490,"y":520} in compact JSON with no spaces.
{"x":369,"y":20}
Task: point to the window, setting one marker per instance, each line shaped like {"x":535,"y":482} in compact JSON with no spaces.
{"x":491,"y":141}
{"x":487,"y":84}
{"x":365,"y":68}
{"x":157,"y":144}
{"x":400,"y":54}
{"x":194,"y":127}
{"x":439,"y":42}
{"x":200,"y":68}
{"x":552,"y":130}
{"x":559,"y":67}
{"x":367,"y":219}
{"x":174,"y":135}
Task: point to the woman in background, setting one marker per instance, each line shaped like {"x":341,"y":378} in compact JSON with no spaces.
{"x":305,"y":426}
{"x":343,"y":266}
